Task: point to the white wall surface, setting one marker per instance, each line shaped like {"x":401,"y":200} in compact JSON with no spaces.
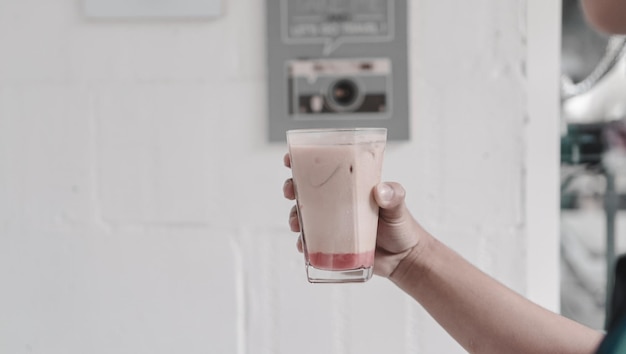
{"x":141,"y":207}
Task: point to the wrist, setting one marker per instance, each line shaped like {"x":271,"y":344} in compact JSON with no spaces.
{"x":415,"y":263}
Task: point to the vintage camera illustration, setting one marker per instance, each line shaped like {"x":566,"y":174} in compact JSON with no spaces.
{"x":333,"y":88}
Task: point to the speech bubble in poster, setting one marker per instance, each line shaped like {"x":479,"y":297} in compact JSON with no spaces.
{"x":335,"y":22}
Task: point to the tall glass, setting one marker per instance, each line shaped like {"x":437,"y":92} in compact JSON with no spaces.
{"x":334,"y":173}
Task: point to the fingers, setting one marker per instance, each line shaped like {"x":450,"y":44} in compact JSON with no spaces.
{"x":299,"y":244}
{"x":289,"y":193}
{"x":287,"y":160}
{"x":390,"y":197}
{"x":397,"y":229}
{"x":294,"y":223}
{"x":288,"y":190}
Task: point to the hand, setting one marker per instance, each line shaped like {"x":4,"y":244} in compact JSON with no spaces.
{"x":398,"y":232}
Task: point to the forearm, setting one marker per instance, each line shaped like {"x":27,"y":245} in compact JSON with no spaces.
{"x":483,"y":315}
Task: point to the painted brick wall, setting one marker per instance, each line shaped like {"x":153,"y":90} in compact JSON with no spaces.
{"x":141,"y":207}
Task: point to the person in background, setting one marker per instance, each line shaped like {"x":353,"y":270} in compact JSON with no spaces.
{"x":481,"y":314}
{"x":608,"y":16}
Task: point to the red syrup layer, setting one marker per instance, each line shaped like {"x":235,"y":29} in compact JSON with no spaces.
{"x":341,"y":261}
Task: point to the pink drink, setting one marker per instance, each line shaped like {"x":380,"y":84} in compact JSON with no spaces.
{"x":338,"y":214}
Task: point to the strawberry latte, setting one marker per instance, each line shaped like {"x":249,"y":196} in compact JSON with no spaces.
{"x":334,"y":173}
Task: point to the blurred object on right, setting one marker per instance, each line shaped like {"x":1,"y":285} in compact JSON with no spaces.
{"x":593,"y":166}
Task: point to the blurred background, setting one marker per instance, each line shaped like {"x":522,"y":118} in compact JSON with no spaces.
{"x":140,"y":197}
{"x":593,"y":161}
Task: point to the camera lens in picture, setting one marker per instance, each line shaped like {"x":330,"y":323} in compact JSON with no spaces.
{"x":344,"y":95}
{"x":335,"y":88}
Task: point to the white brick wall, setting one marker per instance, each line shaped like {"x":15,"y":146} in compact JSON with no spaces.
{"x":141,"y":207}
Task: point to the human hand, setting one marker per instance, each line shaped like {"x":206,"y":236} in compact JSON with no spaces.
{"x":398,"y":232}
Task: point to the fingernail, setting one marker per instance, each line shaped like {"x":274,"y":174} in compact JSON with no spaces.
{"x":385,"y":192}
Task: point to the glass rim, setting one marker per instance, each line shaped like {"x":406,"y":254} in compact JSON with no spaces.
{"x":337,"y":130}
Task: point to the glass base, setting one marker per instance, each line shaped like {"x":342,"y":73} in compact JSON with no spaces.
{"x":359,"y":275}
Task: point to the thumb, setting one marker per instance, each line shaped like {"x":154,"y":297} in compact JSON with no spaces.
{"x":390,"y":197}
